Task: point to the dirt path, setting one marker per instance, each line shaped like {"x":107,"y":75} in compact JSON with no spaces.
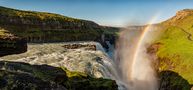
{"x":189,"y":34}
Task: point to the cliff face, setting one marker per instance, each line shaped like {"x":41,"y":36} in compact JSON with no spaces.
{"x":11,"y":44}
{"x":49,"y":27}
{"x":43,"y":19}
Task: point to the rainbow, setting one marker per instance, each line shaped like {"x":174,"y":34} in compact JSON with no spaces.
{"x":141,"y":40}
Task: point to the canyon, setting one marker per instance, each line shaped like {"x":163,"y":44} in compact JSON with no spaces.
{"x":84,"y":53}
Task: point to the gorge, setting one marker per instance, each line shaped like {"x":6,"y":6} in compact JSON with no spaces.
{"x":60,"y":52}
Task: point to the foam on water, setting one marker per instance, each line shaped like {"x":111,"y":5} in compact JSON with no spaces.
{"x":95,"y":63}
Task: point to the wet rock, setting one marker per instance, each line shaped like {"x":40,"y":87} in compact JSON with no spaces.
{"x":23,"y":76}
{"x":77,"y":46}
{"x":11,"y":44}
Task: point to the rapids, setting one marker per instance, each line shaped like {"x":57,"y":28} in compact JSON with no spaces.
{"x":95,"y":63}
{"x":128,"y":63}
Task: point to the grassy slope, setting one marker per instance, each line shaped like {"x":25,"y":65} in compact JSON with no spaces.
{"x":34,"y":14}
{"x":176,"y":51}
{"x":4,"y":33}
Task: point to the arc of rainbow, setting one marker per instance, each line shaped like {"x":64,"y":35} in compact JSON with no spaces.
{"x":141,"y":38}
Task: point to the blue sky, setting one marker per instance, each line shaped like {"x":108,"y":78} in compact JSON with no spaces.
{"x":106,"y":12}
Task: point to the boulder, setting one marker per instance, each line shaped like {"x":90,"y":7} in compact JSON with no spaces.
{"x":11,"y":44}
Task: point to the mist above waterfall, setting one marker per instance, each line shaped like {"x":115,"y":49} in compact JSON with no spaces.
{"x":135,"y":65}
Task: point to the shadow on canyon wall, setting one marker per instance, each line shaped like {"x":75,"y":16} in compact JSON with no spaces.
{"x":170,"y":80}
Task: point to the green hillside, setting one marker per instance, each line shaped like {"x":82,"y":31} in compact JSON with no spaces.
{"x":43,"y":16}
{"x":175,"y":51}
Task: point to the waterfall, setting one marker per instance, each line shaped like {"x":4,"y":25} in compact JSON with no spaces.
{"x":99,"y":47}
{"x":110,"y":50}
{"x":135,"y":65}
{"x":94,"y":63}
{"x":131,"y":67}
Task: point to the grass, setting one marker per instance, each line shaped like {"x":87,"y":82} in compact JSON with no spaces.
{"x":35,"y":15}
{"x":71,"y":74}
{"x":85,"y":82}
{"x":176,"y":52}
{"x":3,"y":32}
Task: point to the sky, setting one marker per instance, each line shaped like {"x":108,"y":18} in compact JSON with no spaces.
{"x":107,"y":12}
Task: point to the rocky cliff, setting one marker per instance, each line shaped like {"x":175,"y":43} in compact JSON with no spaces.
{"x":49,"y":27}
{"x":11,"y":44}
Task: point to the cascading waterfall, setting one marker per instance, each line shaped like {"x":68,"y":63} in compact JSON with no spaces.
{"x":135,"y":65}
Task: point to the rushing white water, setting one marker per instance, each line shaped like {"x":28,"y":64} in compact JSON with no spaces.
{"x":95,"y":63}
{"x":131,"y":66}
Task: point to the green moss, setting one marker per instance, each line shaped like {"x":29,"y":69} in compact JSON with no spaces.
{"x":3,"y":32}
{"x":85,"y":82}
{"x":73,"y":74}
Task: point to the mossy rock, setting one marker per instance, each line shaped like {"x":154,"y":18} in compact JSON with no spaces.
{"x":22,"y":81}
{"x":11,"y":44}
{"x":17,"y":75}
{"x":170,"y":80}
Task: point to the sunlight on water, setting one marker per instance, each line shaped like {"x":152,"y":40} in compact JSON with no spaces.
{"x":94,"y":63}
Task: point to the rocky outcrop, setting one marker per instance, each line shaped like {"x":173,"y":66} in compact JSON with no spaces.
{"x":169,"y":80}
{"x":22,"y":76}
{"x":11,"y":44}
{"x":77,"y":46}
{"x":180,"y":15}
